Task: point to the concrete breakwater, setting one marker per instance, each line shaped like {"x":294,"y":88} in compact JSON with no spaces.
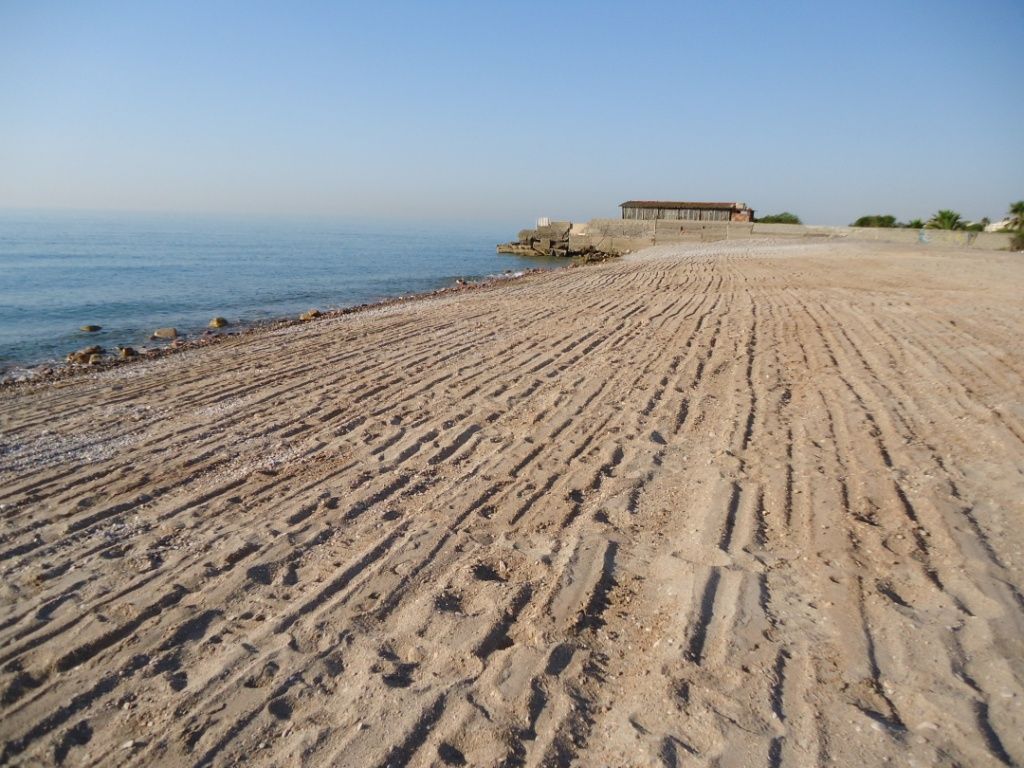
{"x":555,"y":238}
{"x":601,"y":238}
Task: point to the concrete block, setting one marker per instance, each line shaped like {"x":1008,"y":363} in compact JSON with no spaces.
{"x":579,"y":242}
{"x":556,"y":230}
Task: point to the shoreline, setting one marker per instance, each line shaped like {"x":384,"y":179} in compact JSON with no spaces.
{"x":58,"y":370}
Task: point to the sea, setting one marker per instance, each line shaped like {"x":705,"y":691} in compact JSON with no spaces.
{"x":131,"y":273}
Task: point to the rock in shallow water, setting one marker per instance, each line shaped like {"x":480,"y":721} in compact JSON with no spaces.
{"x":218,"y":322}
{"x":90,"y":328}
{"x":165,"y":333}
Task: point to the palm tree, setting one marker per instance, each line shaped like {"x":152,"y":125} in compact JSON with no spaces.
{"x":1017,"y":215}
{"x":945,"y":219}
{"x":914,"y":224}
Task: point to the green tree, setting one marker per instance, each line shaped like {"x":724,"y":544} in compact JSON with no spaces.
{"x":945,"y":219}
{"x":876,"y":220}
{"x":780,"y":218}
{"x":914,"y":224}
{"x":1017,"y":215}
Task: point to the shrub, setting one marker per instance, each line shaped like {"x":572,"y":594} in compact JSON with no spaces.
{"x":1017,"y":215}
{"x":877,"y":220}
{"x":780,"y":218}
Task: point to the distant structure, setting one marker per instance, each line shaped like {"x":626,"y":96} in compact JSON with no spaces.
{"x":662,"y":209}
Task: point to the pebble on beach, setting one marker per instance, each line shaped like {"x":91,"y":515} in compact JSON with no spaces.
{"x":218,"y":322}
{"x":85,"y":355}
{"x":90,"y":328}
{"x":165,"y":333}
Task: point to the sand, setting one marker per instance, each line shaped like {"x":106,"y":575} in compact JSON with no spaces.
{"x":731,"y":504}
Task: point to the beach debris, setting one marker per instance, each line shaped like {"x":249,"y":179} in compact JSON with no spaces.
{"x":84,"y":356}
{"x":310,"y":315}
{"x":165,"y":333}
{"x":90,"y":328}
{"x":218,"y":322}
{"x":126,"y":353}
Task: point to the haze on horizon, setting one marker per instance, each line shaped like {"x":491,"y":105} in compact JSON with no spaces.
{"x":505,"y":112}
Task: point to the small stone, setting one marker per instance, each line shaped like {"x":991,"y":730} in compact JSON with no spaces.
{"x":130,"y":744}
{"x":83,"y":355}
{"x":307,"y":316}
{"x":95,"y":359}
{"x":90,"y":328}
{"x":165,"y":333}
{"x":126,"y":353}
{"x":218,"y":322}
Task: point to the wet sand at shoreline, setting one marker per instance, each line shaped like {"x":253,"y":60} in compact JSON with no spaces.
{"x":745,"y":503}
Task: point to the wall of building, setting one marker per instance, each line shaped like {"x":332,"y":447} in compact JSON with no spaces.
{"x":683,"y":214}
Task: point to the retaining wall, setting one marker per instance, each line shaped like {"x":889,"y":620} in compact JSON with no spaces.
{"x":620,"y":235}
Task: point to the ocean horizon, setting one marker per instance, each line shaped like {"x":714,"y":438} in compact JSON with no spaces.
{"x":131,"y":273}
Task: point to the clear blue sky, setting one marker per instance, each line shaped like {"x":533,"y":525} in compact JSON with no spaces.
{"x":508,"y":111}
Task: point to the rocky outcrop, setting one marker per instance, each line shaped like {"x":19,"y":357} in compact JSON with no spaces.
{"x":553,"y":239}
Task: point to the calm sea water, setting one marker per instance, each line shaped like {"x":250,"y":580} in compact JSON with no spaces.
{"x":133,"y":273}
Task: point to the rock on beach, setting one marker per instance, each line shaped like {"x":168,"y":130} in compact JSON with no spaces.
{"x":85,"y":355}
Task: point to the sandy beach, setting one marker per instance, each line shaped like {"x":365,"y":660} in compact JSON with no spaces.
{"x":726,"y":504}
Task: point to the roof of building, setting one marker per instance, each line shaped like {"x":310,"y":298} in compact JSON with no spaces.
{"x":670,"y":204}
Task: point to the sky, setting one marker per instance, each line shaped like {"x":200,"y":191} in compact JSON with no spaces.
{"x":506,"y":111}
